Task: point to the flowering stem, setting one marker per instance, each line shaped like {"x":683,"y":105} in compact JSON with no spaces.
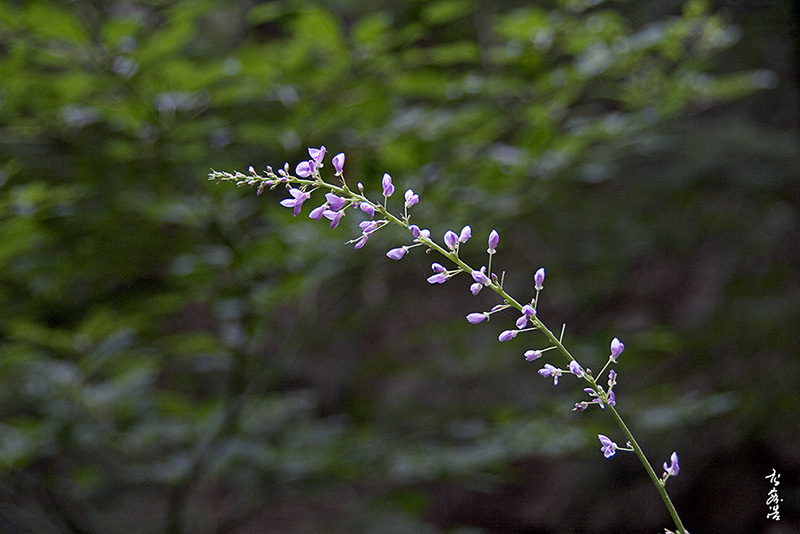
{"x":315,"y":181}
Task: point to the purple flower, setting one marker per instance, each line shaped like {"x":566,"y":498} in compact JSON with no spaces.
{"x":475,"y":288}
{"x":298,"y":197}
{"x":596,"y":399}
{"x":397,"y":253}
{"x":673,"y":468}
{"x":411,"y":198}
{"x":531,"y":355}
{"x":538,"y":279}
{"x":575,"y":369}
{"x":317,"y":154}
{"x":304,"y":169}
{"x":336,"y":203}
{"x":334,"y":217}
{"x":494,"y":239}
{"x":388,"y":187}
{"x":438,"y":278}
{"x":551,"y":370}
{"x":527,"y":313}
{"x":465,"y":234}
{"x":362,"y":241}
{"x":367,"y":227}
{"x":505,"y":335}
{"x":451,"y":239}
{"x":440,"y":274}
{"x":338,"y":163}
{"x":609,"y":448}
{"x":616,"y":349}
{"x":317,"y":212}
{"x":480,"y":276}
{"x":476,"y":318}
{"x":612,"y":398}
{"x":612,"y":378}
{"x":367,"y":208}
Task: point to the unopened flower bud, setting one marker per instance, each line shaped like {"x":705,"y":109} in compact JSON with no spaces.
{"x":538,"y":279}
{"x":388,"y":187}
{"x":397,"y":253}
{"x":338,"y":163}
{"x":451,"y":239}
{"x":411,"y":198}
{"x":465,"y":234}
{"x":476,"y":318}
{"x":531,"y":355}
{"x":494,"y":239}
{"x":507,"y":334}
{"x":616,"y":349}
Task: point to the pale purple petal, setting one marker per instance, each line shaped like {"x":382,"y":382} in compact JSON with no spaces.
{"x":612,"y":378}
{"x":361,"y":242}
{"x":616,"y":349}
{"x":397,"y":253}
{"x":494,"y":239}
{"x":317,"y":154}
{"x":575,"y":369}
{"x":465,"y":234}
{"x":673,"y":469}
{"x":298,"y":197}
{"x":438,"y":278}
{"x":480,"y":276}
{"x":388,"y":187}
{"x":550,"y":370}
{"x":304,"y":169}
{"x":505,"y":335}
{"x":609,"y":448}
{"x":538,"y":279}
{"x":334,"y":217}
{"x":531,"y":355}
{"x":367,"y":208}
{"x":411,"y":198}
{"x":336,"y":203}
{"x":367,"y":227}
{"x":451,"y":239}
{"x":476,"y":318}
{"x":316,"y":213}
{"x":338,"y":163}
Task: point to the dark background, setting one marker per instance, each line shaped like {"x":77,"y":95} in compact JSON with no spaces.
{"x":183,"y":356}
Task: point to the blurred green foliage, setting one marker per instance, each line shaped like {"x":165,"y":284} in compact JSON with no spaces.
{"x":189,"y":349}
